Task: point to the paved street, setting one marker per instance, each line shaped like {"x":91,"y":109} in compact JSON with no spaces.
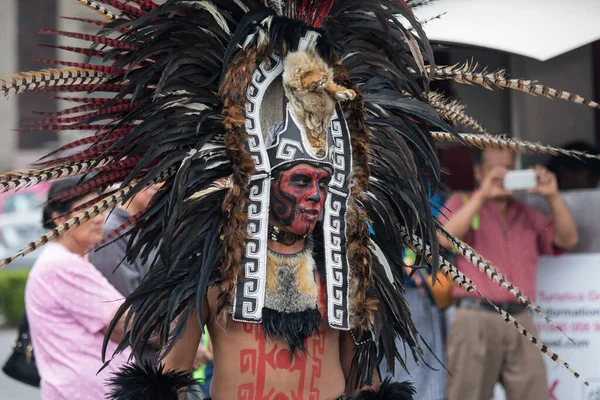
{"x":9,"y":388}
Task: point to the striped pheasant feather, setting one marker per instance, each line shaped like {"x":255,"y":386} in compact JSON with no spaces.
{"x":90,"y":21}
{"x":509,"y":319}
{"x":125,"y":8}
{"x":103,"y":40}
{"x":47,"y":78}
{"x":27,"y":178}
{"x":505,"y":143}
{"x":107,"y":203}
{"x":449,"y":270}
{"x":116,"y":234}
{"x":492,"y":272}
{"x":104,"y":205}
{"x":468,"y":74}
{"x":416,"y":244}
{"x":100,"y":9}
{"x":453,"y":110}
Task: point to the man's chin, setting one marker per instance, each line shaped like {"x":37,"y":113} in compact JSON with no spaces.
{"x":504,"y":197}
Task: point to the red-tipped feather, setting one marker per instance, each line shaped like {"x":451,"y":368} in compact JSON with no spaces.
{"x":79,"y":50}
{"x":91,"y":154}
{"x":63,"y":127}
{"x":103,"y":181}
{"x":146,"y":5}
{"x":105,"y":87}
{"x":94,"y":22}
{"x":125,"y":8}
{"x":91,"y":101}
{"x":93,"y":67}
{"x":88,"y":106}
{"x":86,"y":141}
{"x":115,"y":44}
{"x":314,"y":12}
{"x":79,"y":118}
{"x":128,"y":162}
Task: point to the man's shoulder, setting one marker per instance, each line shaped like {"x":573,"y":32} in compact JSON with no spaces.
{"x":456,"y":200}
{"x":115,"y":219}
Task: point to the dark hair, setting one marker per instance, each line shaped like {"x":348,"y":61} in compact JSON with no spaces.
{"x":574,"y":164}
{"x":60,"y":206}
{"x":477,"y":156}
{"x":478,"y":153}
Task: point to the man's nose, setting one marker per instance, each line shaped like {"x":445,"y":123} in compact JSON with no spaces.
{"x":316,"y":196}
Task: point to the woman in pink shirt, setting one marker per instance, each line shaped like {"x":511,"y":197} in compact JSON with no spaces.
{"x":69,"y":305}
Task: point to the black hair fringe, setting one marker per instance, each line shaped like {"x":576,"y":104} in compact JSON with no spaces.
{"x":364,"y":363}
{"x":294,"y":328}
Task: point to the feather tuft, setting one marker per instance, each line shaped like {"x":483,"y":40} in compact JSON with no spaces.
{"x":148,"y":382}
{"x":501,"y":142}
{"x":468,"y":74}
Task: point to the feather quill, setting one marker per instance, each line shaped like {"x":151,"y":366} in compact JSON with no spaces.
{"x":468,"y":74}
{"x":453,"y":110}
{"x":501,"y":142}
{"x":416,"y":244}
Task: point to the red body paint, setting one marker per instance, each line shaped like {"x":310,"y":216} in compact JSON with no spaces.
{"x":267,"y":357}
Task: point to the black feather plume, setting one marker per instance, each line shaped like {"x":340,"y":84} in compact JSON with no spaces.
{"x":294,"y":328}
{"x":148,"y":382}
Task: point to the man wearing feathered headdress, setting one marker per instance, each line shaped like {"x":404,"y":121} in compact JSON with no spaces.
{"x":280,"y":130}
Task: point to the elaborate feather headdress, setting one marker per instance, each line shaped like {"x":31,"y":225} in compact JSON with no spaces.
{"x":181,"y":93}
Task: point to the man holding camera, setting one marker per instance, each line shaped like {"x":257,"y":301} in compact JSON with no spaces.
{"x":482,"y":349}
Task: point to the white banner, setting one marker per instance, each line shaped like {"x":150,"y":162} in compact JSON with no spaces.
{"x":568,"y":289}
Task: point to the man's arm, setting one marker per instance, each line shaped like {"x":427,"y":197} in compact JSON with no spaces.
{"x":459,"y":222}
{"x":182,"y":355}
{"x":565,"y":235}
{"x":118,"y":332}
{"x":347,"y":352}
{"x":565,"y":230}
{"x":127,"y":276}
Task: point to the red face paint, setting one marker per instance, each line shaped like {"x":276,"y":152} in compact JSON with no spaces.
{"x":297,"y":198}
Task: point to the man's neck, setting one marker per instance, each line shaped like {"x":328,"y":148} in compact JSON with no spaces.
{"x":284,"y":249}
{"x":502,"y":205}
{"x":73,"y":246}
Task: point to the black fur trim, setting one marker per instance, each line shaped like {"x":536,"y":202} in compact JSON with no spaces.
{"x":388,"y":391}
{"x":364,"y":361}
{"x":147,"y":382}
{"x":294,"y":328}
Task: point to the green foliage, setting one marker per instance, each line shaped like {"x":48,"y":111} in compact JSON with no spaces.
{"x":12,"y":294}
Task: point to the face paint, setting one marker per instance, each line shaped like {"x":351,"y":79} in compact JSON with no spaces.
{"x":297,"y":198}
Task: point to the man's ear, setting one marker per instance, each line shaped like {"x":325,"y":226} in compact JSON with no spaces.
{"x":477,"y":173}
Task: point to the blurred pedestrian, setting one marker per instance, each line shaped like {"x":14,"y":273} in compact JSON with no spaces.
{"x":69,"y":306}
{"x":125,"y":275}
{"x":128,"y":275}
{"x":481,"y":348}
